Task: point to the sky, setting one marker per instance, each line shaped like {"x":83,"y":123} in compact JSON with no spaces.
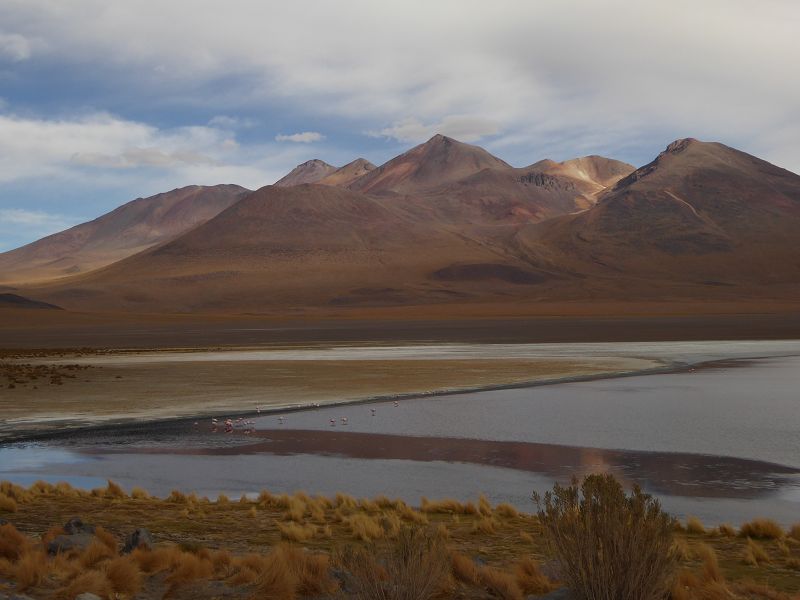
{"x":104,"y":101}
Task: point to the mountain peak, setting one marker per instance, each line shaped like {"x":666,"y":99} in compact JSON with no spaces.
{"x":680,"y":145}
{"x":438,"y":161}
{"x":310,"y":171}
{"x":348,"y":174}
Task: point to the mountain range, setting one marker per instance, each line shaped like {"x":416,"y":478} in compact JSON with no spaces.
{"x":445,"y":222}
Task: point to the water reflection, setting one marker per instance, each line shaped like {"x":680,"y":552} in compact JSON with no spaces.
{"x":676,"y":474}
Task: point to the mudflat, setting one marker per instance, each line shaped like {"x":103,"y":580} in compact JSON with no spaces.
{"x":44,"y":390}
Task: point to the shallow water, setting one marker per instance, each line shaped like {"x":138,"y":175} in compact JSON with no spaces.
{"x":721,"y":442}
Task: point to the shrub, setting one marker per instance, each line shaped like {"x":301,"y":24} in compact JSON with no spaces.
{"x":763,"y":529}
{"x":415,"y":567}
{"x":610,"y":545}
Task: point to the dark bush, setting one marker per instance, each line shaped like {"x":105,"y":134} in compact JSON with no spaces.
{"x":611,"y":546}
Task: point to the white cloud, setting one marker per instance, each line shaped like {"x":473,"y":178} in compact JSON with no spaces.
{"x":462,"y":127}
{"x":103,"y":151}
{"x":577,"y":74}
{"x":15,"y":47}
{"x":22,"y":224}
{"x":229,"y":122}
{"x":305,"y":137}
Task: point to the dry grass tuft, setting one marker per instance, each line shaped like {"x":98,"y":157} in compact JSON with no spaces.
{"x":156,"y":560}
{"x":695,"y":526}
{"x":30,"y":569}
{"x":726,"y":530}
{"x":409,"y":514}
{"x":311,"y":572}
{"x":754,"y":554}
{"x":275,"y":579}
{"x":93,"y":582}
{"x":391,"y":524}
{"x":7,"y":504}
{"x":12,"y":542}
{"x":763,"y":529}
{"x":483,"y":526}
{"x":464,"y":569}
{"x":530,"y":578}
{"x":139,"y":493}
{"x":296,"y":533}
{"x":124,"y":576}
{"x":484,"y":507}
{"x":95,"y":553}
{"x":506,"y":511}
{"x":106,"y":538}
{"x":114,"y":490}
{"x":711,"y":570}
{"x":363,"y":527}
{"x":296,"y":509}
{"x":681,"y":551}
{"x":189,"y":567}
{"x":526,"y":537}
{"x":499,"y":583}
{"x":448,"y":506}
{"x":416,"y":567}
{"x":794,"y":532}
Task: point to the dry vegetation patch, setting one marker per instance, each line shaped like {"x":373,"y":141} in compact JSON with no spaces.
{"x":282,"y":546}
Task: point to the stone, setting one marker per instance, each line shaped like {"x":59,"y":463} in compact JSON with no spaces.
{"x":345,"y":580}
{"x":76,"y":525}
{"x":65,"y":543}
{"x":140,"y":538}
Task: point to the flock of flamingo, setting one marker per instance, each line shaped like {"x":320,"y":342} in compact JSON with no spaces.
{"x":247,"y":426}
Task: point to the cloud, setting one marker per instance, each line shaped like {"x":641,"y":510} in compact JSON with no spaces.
{"x":562,"y":73}
{"x":229,"y":122}
{"x":22,"y":224}
{"x":35,"y":148}
{"x":461,"y":127}
{"x":306,"y":137}
{"x":15,"y":47}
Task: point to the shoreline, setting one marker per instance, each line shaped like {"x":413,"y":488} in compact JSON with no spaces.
{"x":137,"y":423}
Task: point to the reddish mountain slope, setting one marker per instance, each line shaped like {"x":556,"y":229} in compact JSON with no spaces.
{"x":129,"y":229}
{"x":700,"y":213}
{"x":299,"y":246}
